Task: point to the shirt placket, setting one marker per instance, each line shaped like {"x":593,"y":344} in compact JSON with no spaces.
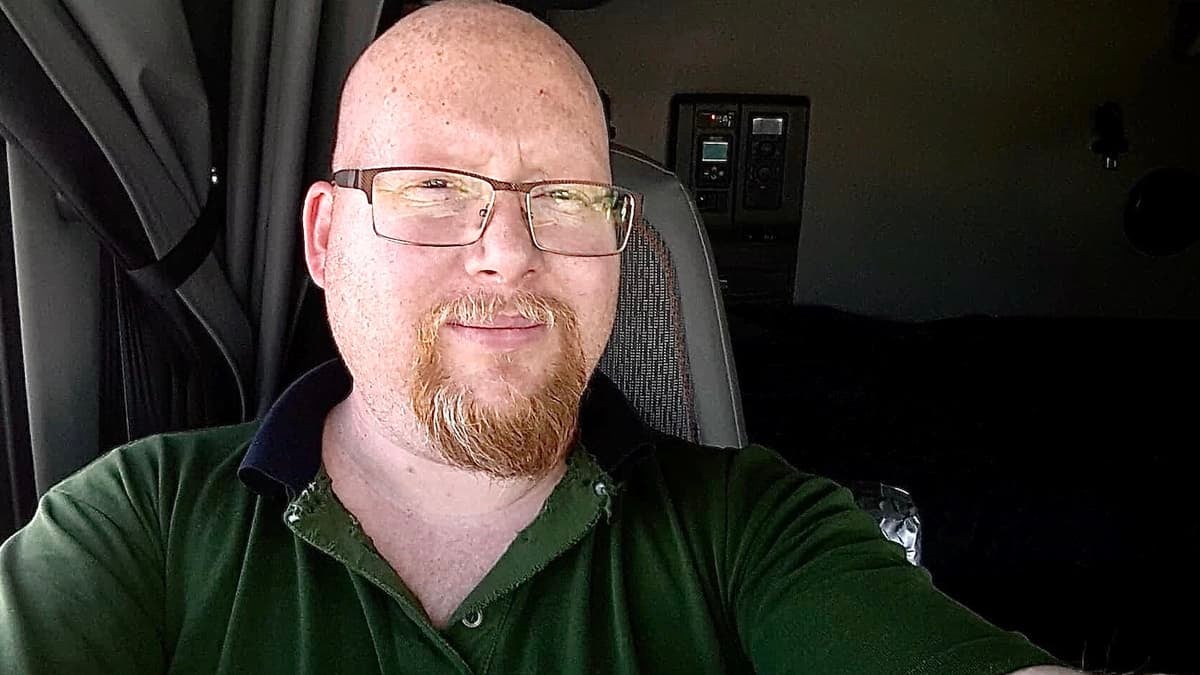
{"x":582,"y":497}
{"x":318,"y":518}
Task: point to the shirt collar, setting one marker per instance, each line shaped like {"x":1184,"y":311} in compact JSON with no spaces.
{"x":285,"y":454}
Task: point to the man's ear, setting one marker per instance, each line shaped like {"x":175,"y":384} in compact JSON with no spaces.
{"x":317,"y":217}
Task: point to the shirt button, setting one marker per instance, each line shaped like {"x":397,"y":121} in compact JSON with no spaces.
{"x":601,"y":489}
{"x":473,"y":620}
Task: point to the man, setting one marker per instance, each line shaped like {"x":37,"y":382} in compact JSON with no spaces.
{"x":459,"y":494}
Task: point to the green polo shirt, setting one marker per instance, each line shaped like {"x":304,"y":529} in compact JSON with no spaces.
{"x":226,"y":551}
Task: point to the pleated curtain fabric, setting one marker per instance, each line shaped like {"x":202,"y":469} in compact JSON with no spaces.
{"x":146,"y":149}
{"x":289,"y":59}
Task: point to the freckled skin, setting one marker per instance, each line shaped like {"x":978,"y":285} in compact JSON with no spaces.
{"x":486,"y":88}
{"x":467,"y":85}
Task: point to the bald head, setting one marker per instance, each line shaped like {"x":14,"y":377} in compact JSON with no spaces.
{"x":474,"y":85}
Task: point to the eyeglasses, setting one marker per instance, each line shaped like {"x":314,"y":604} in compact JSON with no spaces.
{"x":429,"y":206}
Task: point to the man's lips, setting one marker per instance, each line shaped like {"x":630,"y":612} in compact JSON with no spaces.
{"x":501,"y":322}
{"x":503,"y":333}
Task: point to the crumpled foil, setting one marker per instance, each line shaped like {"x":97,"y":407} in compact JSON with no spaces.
{"x":896,"y":513}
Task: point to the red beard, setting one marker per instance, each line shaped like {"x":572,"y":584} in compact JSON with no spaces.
{"x":529,"y":435}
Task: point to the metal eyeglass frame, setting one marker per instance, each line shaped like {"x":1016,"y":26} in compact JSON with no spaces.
{"x":364,"y":179}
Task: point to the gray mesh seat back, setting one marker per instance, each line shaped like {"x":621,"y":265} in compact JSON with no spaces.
{"x":670,"y":352}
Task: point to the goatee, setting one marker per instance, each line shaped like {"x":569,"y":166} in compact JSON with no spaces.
{"x":522,"y":437}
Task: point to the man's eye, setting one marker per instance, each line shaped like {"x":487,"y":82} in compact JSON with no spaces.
{"x":568,"y":196}
{"x":434,"y":190}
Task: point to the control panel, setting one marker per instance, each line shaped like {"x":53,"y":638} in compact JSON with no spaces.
{"x":765,"y":170}
{"x":742,"y":156}
{"x":713,"y":168}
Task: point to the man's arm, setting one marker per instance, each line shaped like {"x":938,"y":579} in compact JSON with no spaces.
{"x":81,"y":586}
{"x":813,"y":585}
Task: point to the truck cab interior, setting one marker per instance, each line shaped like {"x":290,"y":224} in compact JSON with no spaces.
{"x":945,"y":255}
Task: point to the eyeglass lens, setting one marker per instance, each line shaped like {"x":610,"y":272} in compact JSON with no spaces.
{"x":438,"y":208}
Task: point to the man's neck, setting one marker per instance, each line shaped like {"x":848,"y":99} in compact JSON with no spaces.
{"x":369,"y":466}
{"x":441,"y":528}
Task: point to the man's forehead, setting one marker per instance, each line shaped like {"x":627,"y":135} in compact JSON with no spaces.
{"x":471,"y":150}
{"x":485,"y":98}
{"x":539,"y":131}
{"x":473,"y":81}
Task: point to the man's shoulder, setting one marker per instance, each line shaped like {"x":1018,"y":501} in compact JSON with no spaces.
{"x":161,"y":466}
{"x":678,"y":458}
{"x":728,"y":477}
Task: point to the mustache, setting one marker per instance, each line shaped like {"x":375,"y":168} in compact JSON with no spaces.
{"x":482,"y":307}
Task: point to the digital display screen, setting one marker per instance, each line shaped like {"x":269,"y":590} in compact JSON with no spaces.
{"x":708,"y":118}
{"x":766,"y":126}
{"x":714,"y":151}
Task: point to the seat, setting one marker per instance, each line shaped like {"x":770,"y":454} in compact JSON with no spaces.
{"x":670,"y":352}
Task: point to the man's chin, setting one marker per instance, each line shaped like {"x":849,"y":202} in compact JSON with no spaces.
{"x":517,"y":365}
{"x":501,"y":388}
{"x":498,"y":426}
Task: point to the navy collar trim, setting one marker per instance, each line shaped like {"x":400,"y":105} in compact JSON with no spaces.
{"x":285,"y":453}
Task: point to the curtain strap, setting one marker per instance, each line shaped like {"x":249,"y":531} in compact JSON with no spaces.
{"x":169,"y":272}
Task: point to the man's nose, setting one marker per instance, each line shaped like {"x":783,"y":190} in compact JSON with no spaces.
{"x":505,"y":253}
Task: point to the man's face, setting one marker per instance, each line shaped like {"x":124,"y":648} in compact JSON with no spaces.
{"x":500,"y":330}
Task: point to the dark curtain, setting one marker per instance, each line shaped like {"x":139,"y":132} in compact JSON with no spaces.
{"x":289,"y":59}
{"x":17,"y":490}
{"x":95,"y":187}
{"x":162,"y":148}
